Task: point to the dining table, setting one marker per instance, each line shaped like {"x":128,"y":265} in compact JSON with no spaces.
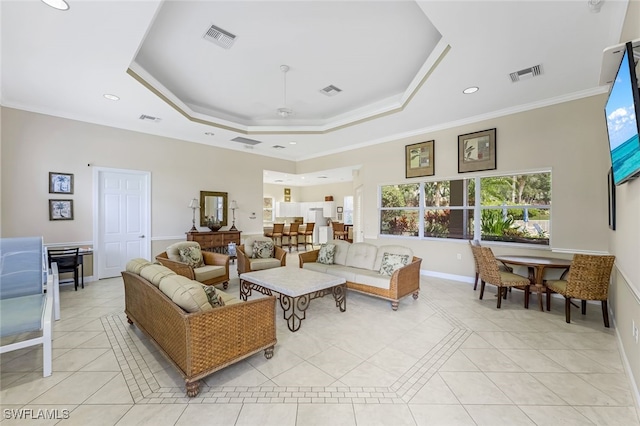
{"x":536,"y":266}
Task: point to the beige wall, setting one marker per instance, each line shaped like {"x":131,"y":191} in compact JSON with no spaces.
{"x":624,"y":295}
{"x":568,"y":139}
{"x":35,"y":144}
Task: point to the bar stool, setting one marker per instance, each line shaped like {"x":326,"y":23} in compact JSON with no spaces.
{"x":276,"y":233}
{"x":292,"y":232}
{"x":308,"y":232}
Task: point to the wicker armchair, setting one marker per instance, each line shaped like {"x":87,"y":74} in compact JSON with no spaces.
{"x":215,"y":269}
{"x":247,"y":263}
{"x":588,"y":279}
{"x":491,"y":273}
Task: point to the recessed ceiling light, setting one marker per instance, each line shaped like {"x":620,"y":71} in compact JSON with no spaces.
{"x":293,"y":143}
{"x":57,"y":4}
{"x":111,"y":97}
{"x":469,"y":90}
{"x":209,"y":133}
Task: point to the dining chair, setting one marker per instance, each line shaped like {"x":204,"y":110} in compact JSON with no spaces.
{"x":338,"y":231}
{"x":276,"y":232}
{"x":68,"y":260}
{"x":490,"y":273}
{"x":587,"y":279}
{"x":501,"y":266}
{"x":291,"y":233}
{"x":307,"y":235}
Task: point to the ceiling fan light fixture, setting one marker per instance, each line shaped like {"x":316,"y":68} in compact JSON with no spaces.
{"x":57,"y":4}
{"x":284,"y":112}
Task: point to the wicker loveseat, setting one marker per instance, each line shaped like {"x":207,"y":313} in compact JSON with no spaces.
{"x":360,"y":264}
{"x":196,"y":343}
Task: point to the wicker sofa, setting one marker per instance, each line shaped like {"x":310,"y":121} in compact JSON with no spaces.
{"x":360,"y":263}
{"x":196,"y":343}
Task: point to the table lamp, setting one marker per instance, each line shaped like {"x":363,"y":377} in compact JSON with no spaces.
{"x":194,"y":205}
{"x":234,"y":206}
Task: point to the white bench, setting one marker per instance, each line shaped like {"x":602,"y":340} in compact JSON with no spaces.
{"x":24,"y":305}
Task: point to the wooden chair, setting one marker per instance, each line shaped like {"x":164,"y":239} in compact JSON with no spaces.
{"x":307,"y":235}
{"x":588,"y":279}
{"x":68,"y":260}
{"x":291,"y":233}
{"x":338,"y":231}
{"x":276,"y":232}
{"x":491,"y":273}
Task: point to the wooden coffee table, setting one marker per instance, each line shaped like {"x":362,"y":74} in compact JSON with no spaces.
{"x":296,"y":288}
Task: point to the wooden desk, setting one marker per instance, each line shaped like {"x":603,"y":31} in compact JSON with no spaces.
{"x":536,"y":266}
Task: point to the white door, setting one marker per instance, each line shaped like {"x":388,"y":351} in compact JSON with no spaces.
{"x":358,"y":231}
{"x":122,"y":225}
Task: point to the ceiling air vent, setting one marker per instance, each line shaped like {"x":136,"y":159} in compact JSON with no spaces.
{"x":245,"y":141}
{"x":330,"y":90}
{"x":144,"y":117}
{"x":220,"y":37}
{"x":526,"y":73}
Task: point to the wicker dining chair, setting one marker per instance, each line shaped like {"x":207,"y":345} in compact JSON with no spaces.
{"x":307,"y":235}
{"x":490,"y":273}
{"x":588,"y":279}
{"x":501,"y":266}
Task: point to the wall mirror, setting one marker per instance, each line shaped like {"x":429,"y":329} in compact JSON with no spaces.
{"x":213,"y":204}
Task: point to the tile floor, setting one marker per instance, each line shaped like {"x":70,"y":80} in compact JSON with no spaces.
{"x":445,"y":359}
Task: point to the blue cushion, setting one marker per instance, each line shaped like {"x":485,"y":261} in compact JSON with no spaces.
{"x":21,"y":267}
{"x":21,"y":314}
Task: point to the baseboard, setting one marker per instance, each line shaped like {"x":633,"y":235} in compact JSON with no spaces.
{"x":625,"y":361}
{"x":453,"y":277}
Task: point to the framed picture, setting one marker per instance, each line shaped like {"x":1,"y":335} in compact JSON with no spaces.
{"x":339,"y":209}
{"x":612,"y":200}
{"x":60,"y":183}
{"x":287,"y":191}
{"x":477,"y":151}
{"x":339,"y":217}
{"x":60,"y":209}
{"x":419,"y":159}
{"x":287,"y":198}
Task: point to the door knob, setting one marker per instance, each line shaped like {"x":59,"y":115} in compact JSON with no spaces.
{"x":141,"y":236}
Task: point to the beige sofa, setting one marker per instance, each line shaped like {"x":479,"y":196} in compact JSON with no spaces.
{"x":359,"y":264}
{"x":198,"y":339}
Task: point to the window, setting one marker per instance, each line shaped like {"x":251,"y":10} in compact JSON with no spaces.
{"x":448,"y":209}
{"x":400,"y":209}
{"x":511,"y":208}
{"x":516,"y":208}
{"x":267,"y":210}
{"x":348,"y":210}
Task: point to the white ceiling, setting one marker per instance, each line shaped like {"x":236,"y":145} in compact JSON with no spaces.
{"x":402,"y":66}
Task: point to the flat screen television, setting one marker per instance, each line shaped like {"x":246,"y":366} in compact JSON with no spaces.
{"x":621,"y":111}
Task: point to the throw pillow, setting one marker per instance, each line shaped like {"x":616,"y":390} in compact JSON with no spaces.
{"x":192,"y":256}
{"x":263,"y":249}
{"x":326,"y":254}
{"x":392,"y":262}
{"x":212,"y":294}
